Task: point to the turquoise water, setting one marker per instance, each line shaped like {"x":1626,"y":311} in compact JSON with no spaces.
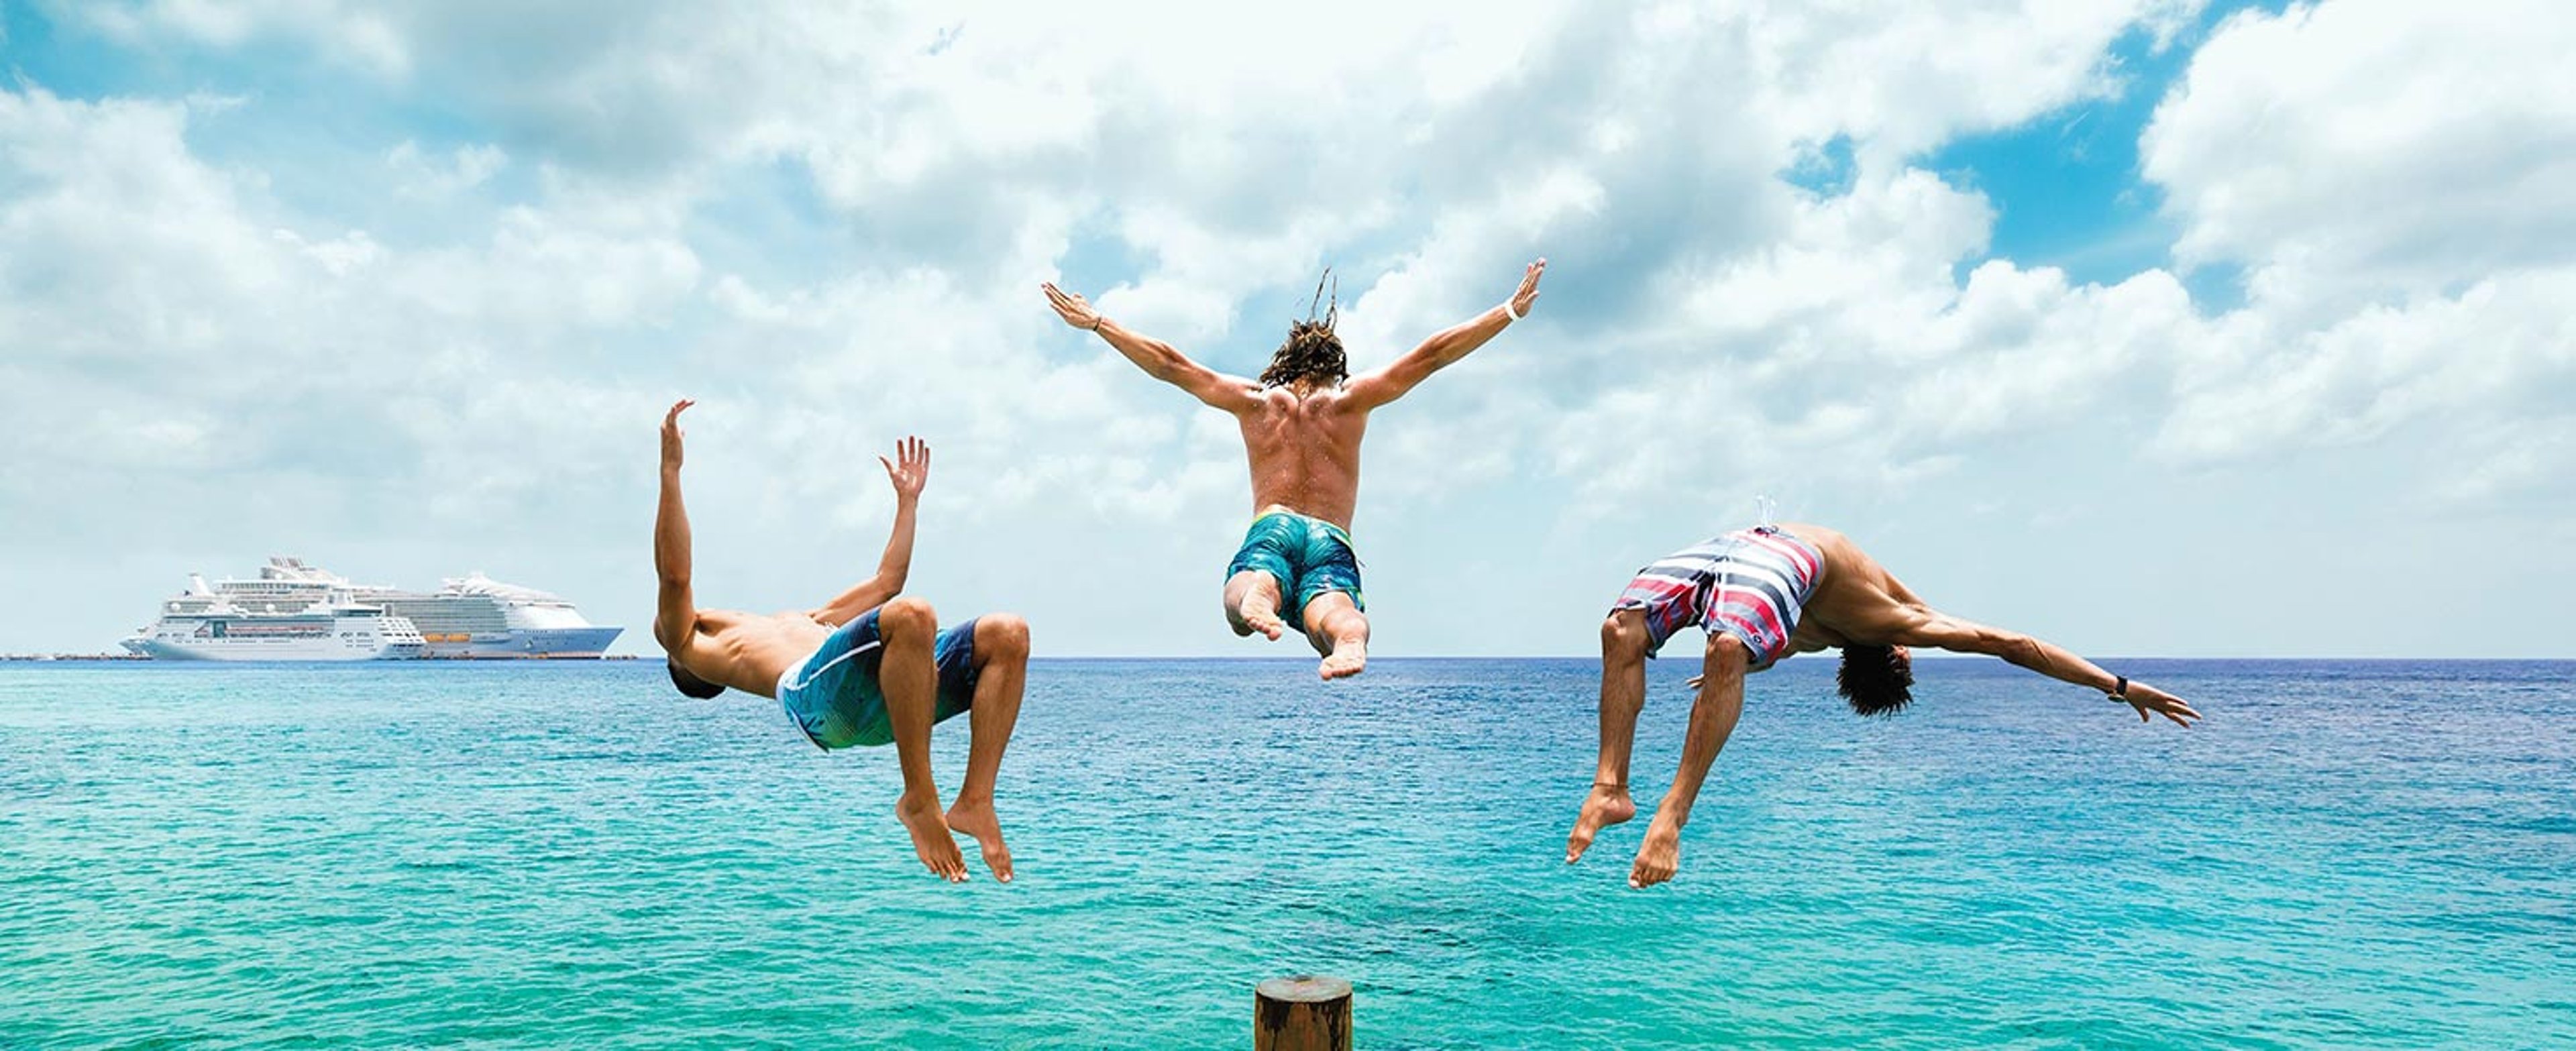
{"x":2344,"y":855}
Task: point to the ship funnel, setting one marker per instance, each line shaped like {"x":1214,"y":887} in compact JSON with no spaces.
{"x":197,"y":585}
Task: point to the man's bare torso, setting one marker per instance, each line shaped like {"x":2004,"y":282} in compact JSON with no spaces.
{"x":748,"y":651}
{"x":1304,"y":452}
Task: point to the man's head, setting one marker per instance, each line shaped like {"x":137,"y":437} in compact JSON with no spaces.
{"x":691,"y":684}
{"x":1313,"y":354}
{"x":1877,"y":680}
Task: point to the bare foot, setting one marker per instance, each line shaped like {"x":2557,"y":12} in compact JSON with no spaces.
{"x":930,"y":838}
{"x":1349,"y":656}
{"x":1607,"y":805}
{"x":1659,"y":856}
{"x":1258,"y":616}
{"x":978,"y":820}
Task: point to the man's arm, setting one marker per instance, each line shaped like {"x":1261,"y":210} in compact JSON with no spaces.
{"x":675,"y":616}
{"x":909,"y":471}
{"x":1445,"y":347}
{"x":1157,"y":358}
{"x":1942,"y":631}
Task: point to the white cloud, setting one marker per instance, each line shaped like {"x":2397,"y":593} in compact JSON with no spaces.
{"x":1875,"y":71}
{"x":2398,"y":182}
{"x":2373,"y":146}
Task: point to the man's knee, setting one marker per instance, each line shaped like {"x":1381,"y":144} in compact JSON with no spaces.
{"x":907,"y":615}
{"x":1623,"y":636}
{"x":1333,"y":612}
{"x":1726,"y":653}
{"x":1002,"y":636}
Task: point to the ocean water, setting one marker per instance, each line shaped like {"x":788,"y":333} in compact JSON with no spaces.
{"x":570,"y":855}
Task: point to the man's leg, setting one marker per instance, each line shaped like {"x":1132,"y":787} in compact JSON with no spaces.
{"x":909,"y":678}
{"x":1252,"y":604}
{"x":1721,"y":700}
{"x":1623,"y":695}
{"x":1339,"y":631}
{"x":1001,"y":672}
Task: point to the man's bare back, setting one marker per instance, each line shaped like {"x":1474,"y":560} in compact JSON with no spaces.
{"x":1304,"y":449}
{"x":1302,"y":426}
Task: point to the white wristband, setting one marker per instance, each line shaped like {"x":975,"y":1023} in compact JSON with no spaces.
{"x":1511,"y":313}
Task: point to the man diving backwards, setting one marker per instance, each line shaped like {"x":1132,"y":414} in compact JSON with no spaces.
{"x":1302,"y":425}
{"x":1763,"y":594}
{"x":869,"y":667}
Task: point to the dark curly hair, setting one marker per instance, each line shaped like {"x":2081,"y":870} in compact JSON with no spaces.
{"x":1312,"y":352}
{"x":690,"y":685}
{"x":1877,"y":680}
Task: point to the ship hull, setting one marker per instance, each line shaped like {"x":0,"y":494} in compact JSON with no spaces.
{"x":529,"y":644}
{"x":325,"y":649}
{"x":161,"y":651}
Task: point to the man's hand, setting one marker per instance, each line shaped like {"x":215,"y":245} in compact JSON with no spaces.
{"x":1528,"y":293}
{"x":910,"y":469}
{"x":671,"y":435}
{"x":2151,"y":702}
{"x":1072,"y":308}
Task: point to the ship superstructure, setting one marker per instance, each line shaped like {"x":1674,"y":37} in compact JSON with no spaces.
{"x":472,"y":616}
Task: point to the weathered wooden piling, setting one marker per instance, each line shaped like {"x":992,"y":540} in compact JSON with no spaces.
{"x":1304,"y":1013}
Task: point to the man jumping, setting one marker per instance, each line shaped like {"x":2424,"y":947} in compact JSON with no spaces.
{"x":1302,"y":426}
{"x":869,"y":667}
{"x":1748,"y":589}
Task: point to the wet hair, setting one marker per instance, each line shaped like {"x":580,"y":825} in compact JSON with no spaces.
{"x":689,"y":684}
{"x":1313,"y":352}
{"x":1877,"y":680}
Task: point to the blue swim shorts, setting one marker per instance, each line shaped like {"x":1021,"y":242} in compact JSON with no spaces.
{"x":833,"y":695}
{"x":1307,"y":556}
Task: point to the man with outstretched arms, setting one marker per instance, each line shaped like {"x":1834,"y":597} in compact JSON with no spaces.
{"x":1762,"y":594}
{"x":1302,"y":425}
{"x":867,"y":668}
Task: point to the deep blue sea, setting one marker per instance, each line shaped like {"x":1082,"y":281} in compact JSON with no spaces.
{"x":569,"y":855}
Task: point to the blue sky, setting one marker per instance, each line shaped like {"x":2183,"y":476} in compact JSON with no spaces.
{"x":2154,"y":327}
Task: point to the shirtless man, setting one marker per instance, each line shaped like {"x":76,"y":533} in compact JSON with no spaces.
{"x":1747,"y":590}
{"x":869,"y":667}
{"x":1301,"y":431}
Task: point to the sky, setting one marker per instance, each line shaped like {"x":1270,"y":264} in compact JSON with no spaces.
{"x":2152,"y":327}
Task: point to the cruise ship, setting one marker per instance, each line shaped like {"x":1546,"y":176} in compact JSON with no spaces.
{"x":471,"y":617}
{"x":203,"y":625}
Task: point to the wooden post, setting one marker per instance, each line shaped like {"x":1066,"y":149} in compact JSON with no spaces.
{"x":1304,"y":1013}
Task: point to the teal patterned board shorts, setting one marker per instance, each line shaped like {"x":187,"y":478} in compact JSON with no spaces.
{"x":1307,"y":556}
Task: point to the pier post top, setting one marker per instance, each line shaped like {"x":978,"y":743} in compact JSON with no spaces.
{"x":1303,"y":1012}
{"x":1304,"y":989}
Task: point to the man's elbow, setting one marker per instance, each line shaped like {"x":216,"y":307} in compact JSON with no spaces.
{"x":2020,"y":649}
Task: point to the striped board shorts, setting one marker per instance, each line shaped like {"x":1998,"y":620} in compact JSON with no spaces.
{"x":1750,"y":584}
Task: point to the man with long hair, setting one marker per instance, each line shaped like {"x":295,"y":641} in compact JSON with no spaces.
{"x":1762,"y":594}
{"x":1302,"y":424}
{"x":869,"y":667}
